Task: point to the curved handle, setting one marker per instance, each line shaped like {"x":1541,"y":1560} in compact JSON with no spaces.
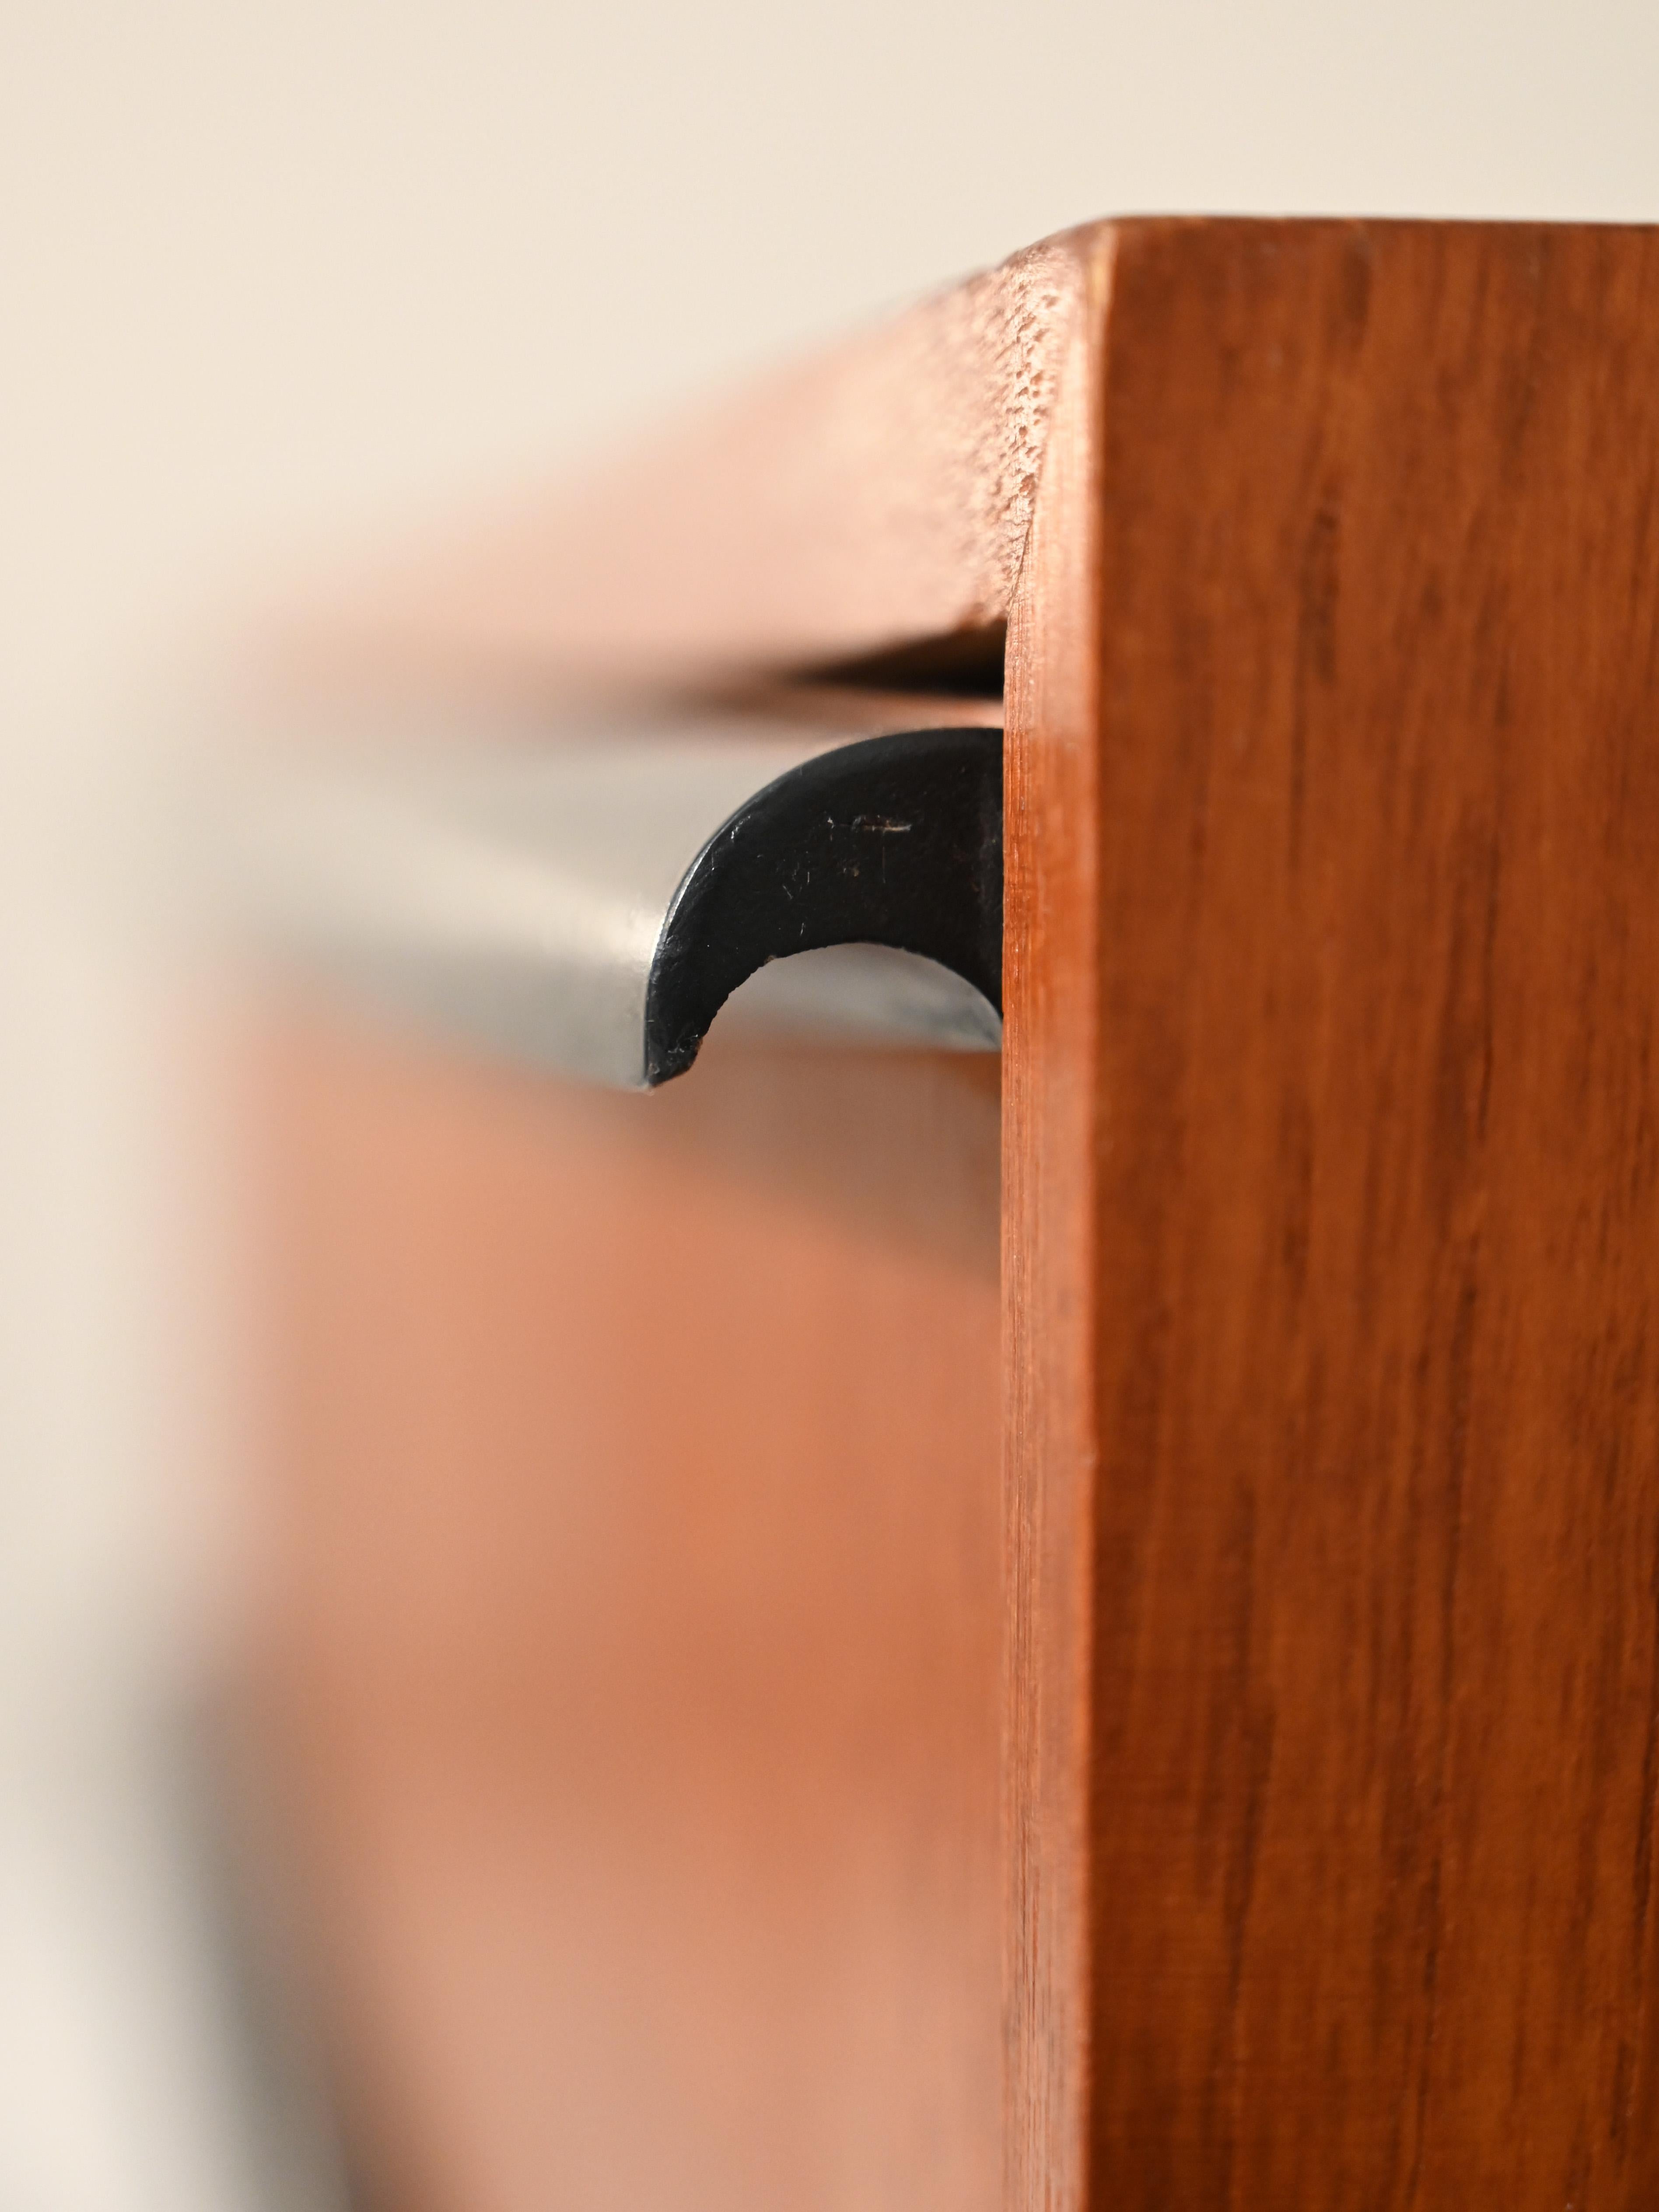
{"x":591,"y":903}
{"x":894,"y":840}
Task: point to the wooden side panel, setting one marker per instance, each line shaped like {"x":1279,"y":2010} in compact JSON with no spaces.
{"x":1376,"y":1677}
{"x":634,"y":1634}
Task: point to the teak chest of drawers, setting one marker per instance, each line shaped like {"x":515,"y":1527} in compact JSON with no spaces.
{"x":880,"y":1628}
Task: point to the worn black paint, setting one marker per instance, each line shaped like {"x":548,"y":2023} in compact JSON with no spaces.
{"x":893,"y":841}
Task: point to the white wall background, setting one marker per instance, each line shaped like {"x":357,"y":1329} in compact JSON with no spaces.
{"x":273,"y":277}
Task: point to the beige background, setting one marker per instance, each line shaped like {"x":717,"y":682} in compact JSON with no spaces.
{"x":273,"y":279}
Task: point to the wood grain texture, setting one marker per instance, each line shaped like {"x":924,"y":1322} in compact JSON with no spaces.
{"x":632,"y":1647}
{"x":1375,"y":1687}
